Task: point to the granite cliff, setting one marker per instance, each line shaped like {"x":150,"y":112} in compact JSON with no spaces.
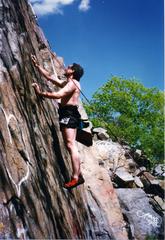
{"x":34,"y":162}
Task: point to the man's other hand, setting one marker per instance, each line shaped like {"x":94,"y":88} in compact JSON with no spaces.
{"x":36,"y":88}
{"x":34,"y":60}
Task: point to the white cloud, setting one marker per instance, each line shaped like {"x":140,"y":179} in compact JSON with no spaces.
{"x":84,"y":5}
{"x":44,"y":7}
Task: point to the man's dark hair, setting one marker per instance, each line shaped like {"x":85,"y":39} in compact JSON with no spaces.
{"x":78,"y":71}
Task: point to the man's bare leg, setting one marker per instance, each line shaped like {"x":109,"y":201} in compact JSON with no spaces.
{"x":69,"y":135}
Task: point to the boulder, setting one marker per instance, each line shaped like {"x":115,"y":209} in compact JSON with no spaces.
{"x":160,"y":202}
{"x":139,"y":171}
{"x":159,"y":170}
{"x":152,"y":185}
{"x":101,"y":133}
{"x":132,"y":165}
{"x":99,"y":130}
{"x":138,"y":182}
{"x":123,"y":178}
{"x":140,"y":158}
{"x":103,"y":136}
{"x":144,"y":221}
{"x":138,"y":152}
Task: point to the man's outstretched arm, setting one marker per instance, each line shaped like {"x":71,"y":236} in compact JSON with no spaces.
{"x":46,"y":74}
{"x":67,"y":90}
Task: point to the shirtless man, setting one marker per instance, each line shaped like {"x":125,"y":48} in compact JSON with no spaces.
{"x":69,"y":116}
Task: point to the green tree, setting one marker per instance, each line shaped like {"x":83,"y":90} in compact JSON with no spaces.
{"x":131,"y":112}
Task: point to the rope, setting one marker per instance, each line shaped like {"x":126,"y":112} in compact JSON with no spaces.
{"x":53,"y":67}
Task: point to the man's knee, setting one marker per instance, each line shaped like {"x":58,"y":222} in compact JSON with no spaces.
{"x":70,"y":145}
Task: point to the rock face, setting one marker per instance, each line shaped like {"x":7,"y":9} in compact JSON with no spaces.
{"x":34,"y":162}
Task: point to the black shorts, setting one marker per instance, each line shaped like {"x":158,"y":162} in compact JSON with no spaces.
{"x":69,"y":116}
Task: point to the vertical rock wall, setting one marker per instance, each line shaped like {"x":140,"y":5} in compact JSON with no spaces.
{"x":34,"y":162}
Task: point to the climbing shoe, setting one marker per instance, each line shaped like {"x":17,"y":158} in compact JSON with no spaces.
{"x":74,"y":182}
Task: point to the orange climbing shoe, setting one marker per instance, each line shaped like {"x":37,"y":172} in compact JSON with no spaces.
{"x":74,"y":182}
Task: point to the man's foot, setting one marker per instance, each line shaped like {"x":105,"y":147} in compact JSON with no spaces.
{"x":74,"y":182}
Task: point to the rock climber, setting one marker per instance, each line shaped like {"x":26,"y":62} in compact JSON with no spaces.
{"x":69,"y":116}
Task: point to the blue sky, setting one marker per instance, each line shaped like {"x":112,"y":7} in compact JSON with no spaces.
{"x":107,"y":37}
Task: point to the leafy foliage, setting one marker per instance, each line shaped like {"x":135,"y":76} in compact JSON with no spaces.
{"x":132,"y":112}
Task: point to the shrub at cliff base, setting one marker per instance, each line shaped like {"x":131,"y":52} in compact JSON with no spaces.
{"x":131,"y":112}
